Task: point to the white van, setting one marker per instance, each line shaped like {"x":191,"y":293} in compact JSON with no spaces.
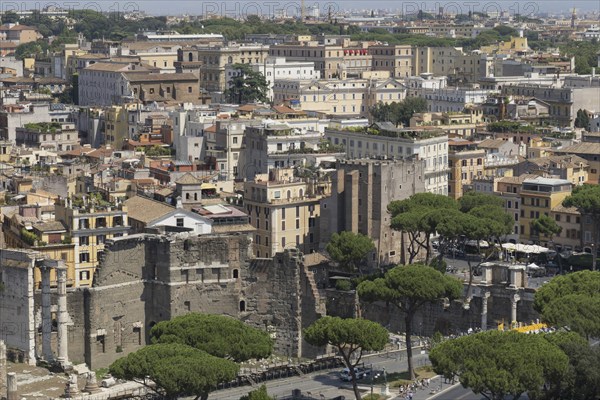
{"x":347,"y":377}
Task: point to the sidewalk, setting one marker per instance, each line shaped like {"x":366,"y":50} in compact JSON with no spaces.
{"x":436,"y":385}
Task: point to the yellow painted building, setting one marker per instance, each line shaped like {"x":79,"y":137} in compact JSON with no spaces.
{"x":466,"y":163}
{"x":117,"y":124}
{"x":90,"y":223}
{"x":285,"y":211}
{"x":23,"y":230}
{"x":539,"y":196}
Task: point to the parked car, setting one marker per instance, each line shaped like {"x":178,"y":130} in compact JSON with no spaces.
{"x":360,"y":374}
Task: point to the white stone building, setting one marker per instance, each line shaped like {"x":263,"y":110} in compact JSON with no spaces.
{"x":274,"y":68}
{"x":422,"y":143}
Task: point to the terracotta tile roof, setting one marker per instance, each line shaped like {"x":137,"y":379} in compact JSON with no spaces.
{"x":157,"y":77}
{"x":146,"y":210}
{"x":50,"y":226}
{"x":581,"y":148}
{"x":101,"y":152}
{"x":491,"y":143}
{"x":282,"y":109}
{"x":188,"y":179}
{"x":567,"y":210}
{"x":211,"y":129}
{"x":108,"y":67}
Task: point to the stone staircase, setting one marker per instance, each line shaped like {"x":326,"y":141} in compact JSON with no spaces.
{"x":320,"y":301}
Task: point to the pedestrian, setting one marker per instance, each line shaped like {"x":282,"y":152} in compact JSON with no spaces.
{"x":410,"y":396}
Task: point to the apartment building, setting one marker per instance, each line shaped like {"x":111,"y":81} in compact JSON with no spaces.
{"x":90,"y":222}
{"x":459,"y":66}
{"x":275,"y":68}
{"x":466,"y":163}
{"x":345,"y":97}
{"x":161,"y":55}
{"x":25,"y":228}
{"x":570,"y":167}
{"x":396,"y":59}
{"x":563,"y":102}
{"x":18,"y":34}
{"x":103,"y":83}
{"x":569,"y":219}
{"x":590,"y":152}
{"x":285,"y":211}
{"x":208,"y":63}
{"x":333,"y":57}
{"x":57,"y":136}
{"x":386,"y":141}
{"x":453,"y":99}
{"x":456,"y":125}
{"x":538,"y":197}
{"x":278,"y":145}
{"x":18,"y":115}
{"x":361,"y":190}
{"x":107,"y":84}
{"x":416,"y":83}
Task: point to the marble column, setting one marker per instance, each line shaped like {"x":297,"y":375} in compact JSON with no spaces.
{"x":71,"y":388}
{"x":62,"y":318}
{"x":513,"y":315}
{"x":12,"y":392}
{"x":484,"y":310}
{"x":46,"y":316}
{"x":91,"y":385}
{"x":3,"y":369}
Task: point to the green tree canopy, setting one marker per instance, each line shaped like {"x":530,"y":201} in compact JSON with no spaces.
{"x":247,"y":86}
{"x":176,"y":369}
{"x":398,"y":113}
{"x":587,"y":199}
{"x":10,"y":17}
{"x":546,"y":226}
{"x":582,"y":119}
{"x":350,"y":249}
{"x":409,"y":288}
{"x":496,"y":364}
{"x":218,"y":335}
{"x":572,"y":300}
{"x":351,"y":337}
{"x":419,"y":216}
{"x":258,"y":394}
{"x":472,"y":199}
{"x":582,"y":379}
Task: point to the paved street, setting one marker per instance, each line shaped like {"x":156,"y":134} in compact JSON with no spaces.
{"x":328,"y":383}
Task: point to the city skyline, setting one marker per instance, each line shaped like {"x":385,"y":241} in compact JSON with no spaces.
{"x":267,"y":7}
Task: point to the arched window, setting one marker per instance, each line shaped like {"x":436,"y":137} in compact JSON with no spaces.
{"x":190,"y":57}
{"x":187,"y":196}
{"x":242,"y":306}
{"x":289,"y":194}
{"x":236,"y":274}
{"x":230,"y":60}
{"x":301,"y":193}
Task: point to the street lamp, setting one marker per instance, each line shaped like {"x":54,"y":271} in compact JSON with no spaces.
{"x":373,"y":376}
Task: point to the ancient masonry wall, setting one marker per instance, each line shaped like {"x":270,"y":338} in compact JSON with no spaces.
{"x":17,"y":325}
{"x":435,"y":317}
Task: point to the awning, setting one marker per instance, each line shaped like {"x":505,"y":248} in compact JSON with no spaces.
{"x":482,"y":243}
{"x":525,"y":248}
{"x":208,"y":186}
